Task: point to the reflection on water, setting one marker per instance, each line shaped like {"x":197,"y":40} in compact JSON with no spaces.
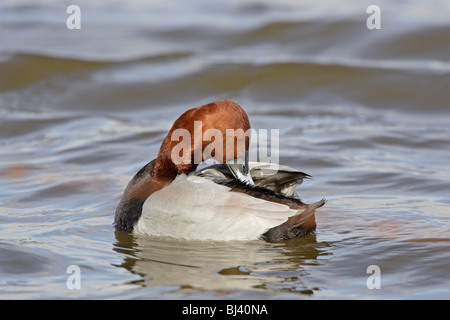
{"x":219,"y":266}
{"x":365,"y":112}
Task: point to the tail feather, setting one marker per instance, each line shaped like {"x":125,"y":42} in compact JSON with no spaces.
{"x":296,"y":226}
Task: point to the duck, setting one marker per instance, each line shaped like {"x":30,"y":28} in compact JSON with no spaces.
{"x":232,"y":199}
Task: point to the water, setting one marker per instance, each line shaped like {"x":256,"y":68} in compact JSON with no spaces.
{"x":366,"y":112}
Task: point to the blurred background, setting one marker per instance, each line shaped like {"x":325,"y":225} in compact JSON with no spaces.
{"x":365,"y":112}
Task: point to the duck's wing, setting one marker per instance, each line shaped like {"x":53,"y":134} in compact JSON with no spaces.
{"x":275,"y":187}
{"x":215,"y":172}
{"x":281,"y":179}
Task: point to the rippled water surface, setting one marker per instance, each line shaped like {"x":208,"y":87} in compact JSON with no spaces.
{"x":366,"y":112}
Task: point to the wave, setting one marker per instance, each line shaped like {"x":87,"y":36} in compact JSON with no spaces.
{"x":419,"y":85}
{"x":22,"y":69}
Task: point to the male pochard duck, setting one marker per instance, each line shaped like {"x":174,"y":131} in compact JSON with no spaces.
{"x":234,"y":200}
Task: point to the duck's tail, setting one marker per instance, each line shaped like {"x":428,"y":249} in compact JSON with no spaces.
{"x":296,"y":226}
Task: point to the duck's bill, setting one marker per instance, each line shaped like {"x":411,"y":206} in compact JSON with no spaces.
{"x":240,"y":169}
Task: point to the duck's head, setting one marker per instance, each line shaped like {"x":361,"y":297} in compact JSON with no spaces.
{"x":218,"y":130}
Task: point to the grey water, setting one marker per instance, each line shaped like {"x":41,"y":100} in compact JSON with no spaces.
{"x":365,"y":112}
